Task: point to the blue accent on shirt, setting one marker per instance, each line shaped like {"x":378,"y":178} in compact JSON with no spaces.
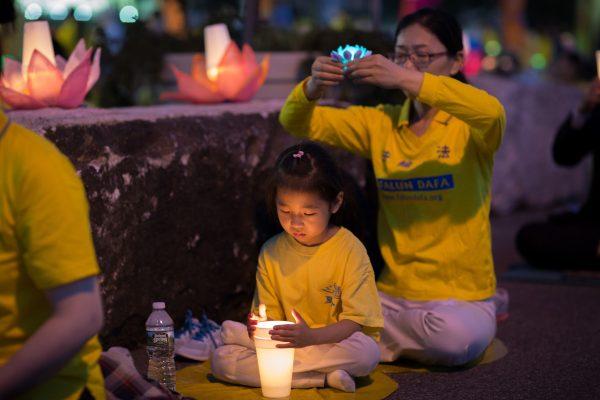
{"x":424,"y":184}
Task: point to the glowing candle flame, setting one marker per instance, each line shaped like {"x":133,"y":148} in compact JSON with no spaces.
{"x":262,"y":312}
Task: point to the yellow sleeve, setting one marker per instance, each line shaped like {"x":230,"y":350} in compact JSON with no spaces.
{"x":265,"y":292}
{"x":346,"y":128}
{"x":52,"y":223}
{"x":482,"y":112}
{"x":360,"y":300}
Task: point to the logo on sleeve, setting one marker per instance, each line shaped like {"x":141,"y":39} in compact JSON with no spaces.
{"x":385,"y":155}
{"x":443,"y":151}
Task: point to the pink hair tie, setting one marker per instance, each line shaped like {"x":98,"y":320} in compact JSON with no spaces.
{"x":299,"y":154}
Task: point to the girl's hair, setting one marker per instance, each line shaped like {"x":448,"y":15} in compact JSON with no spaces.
{"x":306,"y":167}
{"x":441,"y":24}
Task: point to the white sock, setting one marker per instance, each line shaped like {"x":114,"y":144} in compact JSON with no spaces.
{"x":340,"y":379}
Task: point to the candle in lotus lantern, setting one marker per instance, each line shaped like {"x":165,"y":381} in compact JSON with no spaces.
{"x":36,"y":36}
{"x":216,"y":41}
{"x":275,"y":365}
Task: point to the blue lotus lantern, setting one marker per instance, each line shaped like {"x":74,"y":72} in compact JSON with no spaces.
{"x":349,"y":53}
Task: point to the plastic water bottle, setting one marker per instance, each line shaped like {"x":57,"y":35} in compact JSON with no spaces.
{"x":161,"y":346}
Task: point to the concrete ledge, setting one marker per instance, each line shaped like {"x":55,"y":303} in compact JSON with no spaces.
{"x":45,"y":120}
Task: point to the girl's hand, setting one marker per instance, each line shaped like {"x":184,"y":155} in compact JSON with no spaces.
{"x":325,"y":73}
{"x":251,"y":323}
{"x":375,"y":70}
{"x":253,"y":319}
{"x":296,"y":335}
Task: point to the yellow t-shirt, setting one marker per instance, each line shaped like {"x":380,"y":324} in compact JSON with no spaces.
{"x":45,"y":242}
{"x":434,"y":190}
{"x":325,"y":284}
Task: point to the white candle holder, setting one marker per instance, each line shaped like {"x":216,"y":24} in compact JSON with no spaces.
{"x":275,"y":365}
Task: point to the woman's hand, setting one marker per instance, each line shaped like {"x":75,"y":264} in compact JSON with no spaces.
{"x":296,"y":335}
{"x":380,"y":71}
{"x":325,"y":73}
{"x":375,"y":70}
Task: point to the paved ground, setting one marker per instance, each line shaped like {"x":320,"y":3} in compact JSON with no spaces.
{"x":552,"y":335}
{"x":553,"y":340}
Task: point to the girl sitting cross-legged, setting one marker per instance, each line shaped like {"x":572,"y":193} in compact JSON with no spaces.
{"x":317,"y":273}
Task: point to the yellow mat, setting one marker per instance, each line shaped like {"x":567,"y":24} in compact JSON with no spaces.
{"x":198,"y":382}
{"x":495,"y":351}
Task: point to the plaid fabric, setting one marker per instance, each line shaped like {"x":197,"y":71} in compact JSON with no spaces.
{"x":123,"y":381}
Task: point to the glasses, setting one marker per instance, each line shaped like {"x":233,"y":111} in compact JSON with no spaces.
{"x":420,"y":59}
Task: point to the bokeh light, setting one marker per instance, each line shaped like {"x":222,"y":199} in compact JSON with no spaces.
{"x":129,"y":15}
{"x":33,"y":11}
{"x":489,"y":63}
{"x":83,"y":13}
{"x":493,"y":48}
{"x":59,"y":12}
{"x":538,"y":61}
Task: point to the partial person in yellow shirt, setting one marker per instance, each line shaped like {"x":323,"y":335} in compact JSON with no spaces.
{"x":50,"y":304}
{"x":316,"y":273}
{"x":433,"y":158}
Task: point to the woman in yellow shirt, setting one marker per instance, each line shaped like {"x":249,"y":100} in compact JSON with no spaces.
{"x":433,"y":159}
{"x":50,"y":302}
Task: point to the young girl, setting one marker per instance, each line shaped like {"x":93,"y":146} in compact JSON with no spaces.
{"x":316,"y":273}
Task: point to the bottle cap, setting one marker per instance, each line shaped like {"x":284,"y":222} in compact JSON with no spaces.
{"x":158,"y":305}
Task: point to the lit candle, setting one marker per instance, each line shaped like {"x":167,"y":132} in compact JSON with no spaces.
{"x":36,"y":36}
{"x":275,"y":365}
{"x":598,"y":62}
{"x":262,"y":312}
{"x":216,"y":40}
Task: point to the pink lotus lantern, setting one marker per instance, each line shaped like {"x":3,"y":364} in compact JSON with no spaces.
{"x":44,"y":80}
{"x":225,"y":73}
